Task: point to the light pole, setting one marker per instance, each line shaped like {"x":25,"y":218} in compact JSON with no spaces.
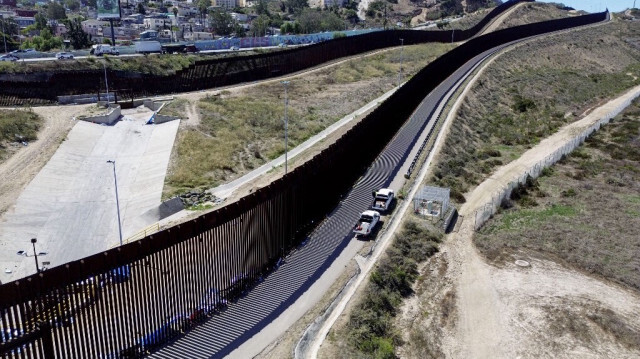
{"x":115,"y":180}
{"x":35,"y":254}
{"x":286,"y":124}
{"x":4,"y":36}
{"x":106,"y":83}
{"x":401,"y":60}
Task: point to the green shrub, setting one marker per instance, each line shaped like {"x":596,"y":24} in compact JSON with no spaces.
{"x":370,"y":327}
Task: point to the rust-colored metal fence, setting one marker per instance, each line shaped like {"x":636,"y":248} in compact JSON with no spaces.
{"x":17,"y":89}
{"x":133,"y":299}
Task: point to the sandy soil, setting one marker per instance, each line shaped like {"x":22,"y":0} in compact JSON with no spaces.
{"x":540,"y":310}
{"x":20,"y":168}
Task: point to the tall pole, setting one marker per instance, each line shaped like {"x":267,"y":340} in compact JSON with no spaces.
{"x":106,"y":83}
{"x":401,"y":60}
{"x":286,"y":124}
{"x":35,"y":254}
{"x":113,"y":34}
{"x":452,"y":33}
{"x":115,"y":180}
{"x":4,"y":36}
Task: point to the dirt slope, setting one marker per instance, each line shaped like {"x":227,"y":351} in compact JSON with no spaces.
{"x":539,"y":310}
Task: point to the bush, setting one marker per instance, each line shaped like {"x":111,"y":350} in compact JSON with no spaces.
{"x":370,"y":324}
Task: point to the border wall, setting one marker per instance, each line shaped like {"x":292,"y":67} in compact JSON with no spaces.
{"x":42,"y":88}
{"x":174,"y":271}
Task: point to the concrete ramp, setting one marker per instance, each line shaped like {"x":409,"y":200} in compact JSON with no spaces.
{"x":70,"y":205}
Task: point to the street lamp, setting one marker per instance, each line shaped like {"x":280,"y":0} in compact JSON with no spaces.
{"x":115,"y":180}
{"x":106,"y":82}
{"x":35,"y":254}
{"x":286,"y":124}
{"x":401,"y":60}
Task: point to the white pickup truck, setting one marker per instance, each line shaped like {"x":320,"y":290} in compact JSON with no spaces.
{"x":367,"y":222}
{"x":382,"y":199}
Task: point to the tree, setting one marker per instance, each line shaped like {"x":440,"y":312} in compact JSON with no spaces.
{"x":261,"y":8}
{"x":41,"y":21}
{"x":43,"y":42}
{"x":79,"y":39}
{"x":259,"y":26}
{"x":141,"y":9}
{"x":72,"y":5}
{"x":221,"y":22}
{"x":55,"y":11}
{"x":92,"y":3}
{"x":10,"y":28}
{"x":295,"y":6}
{"x":175,"y":13}
{"x":203,"y":5}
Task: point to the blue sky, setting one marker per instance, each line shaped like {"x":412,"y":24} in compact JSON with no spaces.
{"x":597,"y":5}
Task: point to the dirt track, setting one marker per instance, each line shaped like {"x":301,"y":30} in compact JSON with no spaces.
{"x":506,"y":312}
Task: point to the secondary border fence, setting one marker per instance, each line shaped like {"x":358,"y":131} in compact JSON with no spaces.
{"x":485,"y":213}
{"x":42,"y":88}
{"x":134,"y":298}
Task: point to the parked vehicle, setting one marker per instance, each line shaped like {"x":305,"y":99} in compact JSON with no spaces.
{"x":367,"y":222}
{"x":382,"y":199}
{"x":64,"y":56}
{"x":148,"y":47}
{"x":191,"y":48}
{"x":235,"y":48}
{"x":9,"y":57}
{"x":105,"y":50}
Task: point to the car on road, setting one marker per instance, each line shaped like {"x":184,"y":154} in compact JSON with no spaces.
{"x":382,"y":199}
{"x":235,"y":48}
{"x":9,"y":57}
{"x":64,"y":56}
{"x":367,"y":223}
{"x":282,"y":44}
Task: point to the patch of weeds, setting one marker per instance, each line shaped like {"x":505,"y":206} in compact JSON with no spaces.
{"x":613,"y":324}
{"x":370,"y":329}
{"x":200,"y":207}
{"x":569,"y":193}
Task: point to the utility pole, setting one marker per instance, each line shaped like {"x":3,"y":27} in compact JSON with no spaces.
{"x":4,"y":35}
{"x":401,"y":60}
{"x":106,"y":83}
{"x":286,"y":124}
{"x":115,"y":180}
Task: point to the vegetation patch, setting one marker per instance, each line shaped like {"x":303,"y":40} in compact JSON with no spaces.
{"x":528,"y":93}
{"x":175,"y":108}
{"x":370,"y":331}
{"x":589,"y":216}
{"x":242,"y":130}
{"x":17,"y":128}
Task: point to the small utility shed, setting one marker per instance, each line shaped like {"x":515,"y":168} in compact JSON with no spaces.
{"x":431,"y":201}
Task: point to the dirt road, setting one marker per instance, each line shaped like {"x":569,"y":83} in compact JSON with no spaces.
{"x":499,"y":308}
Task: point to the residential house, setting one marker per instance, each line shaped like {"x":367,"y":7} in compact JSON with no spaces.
{"x":94,"y":27}
{"x":10,"y":3}
{"x":198,"y":35}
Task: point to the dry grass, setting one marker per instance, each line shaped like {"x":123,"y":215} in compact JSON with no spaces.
{"x":17,"y":126}
{"x":242,"y":130}
{"x":529,"y":92}
{"x":586,"y":209}
{"x":533,"y":12}
{"x":175,"y":108}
